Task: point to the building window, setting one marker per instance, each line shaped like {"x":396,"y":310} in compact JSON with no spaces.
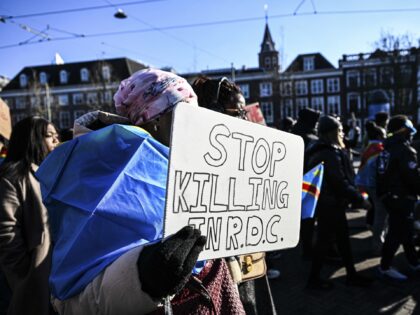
{"x":63,"y":100}
{"x":387,"y":76}
{"x":301,"y":103}
{"x":308,"y":63}
{"x":333,"y":105}
{"x":20,"y":103}
{"x":23,"y":80}
{"x":107,"y":96}
{"x":405,"y":97}
{"x":64,"y":120}
{"x":78,"y":113}
{"x":84,"y":75}
{"x":43,"y":78}
{"x":92,"y":98}
{"x":266,"y":89}
{"x":78,"y":99}
{"x":267,"y":62}
{"x":267,"y":109}
{"x":274,"y":61}
{"x":245,"y":90}
{"x":317,"y":86}
{"x":63,"y":77}
{"x":288,"y":108}
{"x":301,"y":87}
{"x":353,"y":103}
{"x":353,"y":79}
{"x":406,"y":72}
{"x":286,"y":88}
{"x":370,"y":77}
{"x":333,"y":85}
{"x":35,"y":101}
{"x":318,"y":103}
{"x":106,"y":73}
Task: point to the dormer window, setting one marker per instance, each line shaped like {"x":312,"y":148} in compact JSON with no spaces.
{"x":63,"y":77}
{"x":84,"y":75}
{"x":23,"y":80}
{"x":43,"y":78}
{"x":308,"y":63}
{"x":106,"y":73}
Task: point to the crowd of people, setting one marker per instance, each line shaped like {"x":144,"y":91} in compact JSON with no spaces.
{"x":138,"y":272}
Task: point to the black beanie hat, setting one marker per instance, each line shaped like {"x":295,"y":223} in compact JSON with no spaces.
{"x":398,"y":122}
{"x":309,"y":117}
{"x":327,"y":124}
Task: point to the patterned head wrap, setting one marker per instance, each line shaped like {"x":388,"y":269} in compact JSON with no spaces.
{"x":149,"y":93}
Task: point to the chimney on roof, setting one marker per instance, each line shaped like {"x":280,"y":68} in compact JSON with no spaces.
{"x":58,"y":60}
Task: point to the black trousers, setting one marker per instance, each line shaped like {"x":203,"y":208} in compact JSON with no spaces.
{"x":307,"y":236}
{"x":332,"y":229}
{"x":400,"y":231}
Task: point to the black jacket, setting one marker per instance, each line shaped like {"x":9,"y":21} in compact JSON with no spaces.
{"x":398,"y":173}
{"x":338,"y":187}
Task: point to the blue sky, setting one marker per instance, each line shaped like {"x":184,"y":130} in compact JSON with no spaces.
{"x":200,"y":47}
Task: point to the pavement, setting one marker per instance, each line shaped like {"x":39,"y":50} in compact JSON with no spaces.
{"x":383,"y":297}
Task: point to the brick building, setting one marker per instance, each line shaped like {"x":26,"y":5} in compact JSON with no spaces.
{"x":397,"y":73}
{"x":64,"y":92}
{"x":310,"y":80}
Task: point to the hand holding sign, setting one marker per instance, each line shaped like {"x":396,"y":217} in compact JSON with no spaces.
{"x":164,"y":267}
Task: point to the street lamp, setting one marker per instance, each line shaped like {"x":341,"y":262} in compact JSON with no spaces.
{"x":120,"y":14}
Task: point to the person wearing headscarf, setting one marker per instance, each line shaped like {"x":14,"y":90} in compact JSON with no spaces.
{"x":135,"y":271}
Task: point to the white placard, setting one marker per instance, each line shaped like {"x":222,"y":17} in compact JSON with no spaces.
{"x":240,"y":183}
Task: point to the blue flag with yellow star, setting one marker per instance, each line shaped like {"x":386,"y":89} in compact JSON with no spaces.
{"x":311,"y":188}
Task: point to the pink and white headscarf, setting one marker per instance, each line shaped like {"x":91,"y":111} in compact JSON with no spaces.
{"x":149,"y":93}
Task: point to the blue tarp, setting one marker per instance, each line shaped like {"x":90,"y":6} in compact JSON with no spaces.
{"x":105,"y":193}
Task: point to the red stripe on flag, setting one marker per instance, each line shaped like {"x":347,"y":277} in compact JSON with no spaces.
{"x":312,"y":189}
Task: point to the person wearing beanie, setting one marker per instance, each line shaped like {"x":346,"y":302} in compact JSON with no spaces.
{"x":306,"y":128}
{"x":306,"y":125}
{"x":337,"y":191}
{"x":398,"y":185}
{"x":134,"y":271}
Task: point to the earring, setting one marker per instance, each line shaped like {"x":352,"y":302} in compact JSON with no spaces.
{"x":155,"y":127}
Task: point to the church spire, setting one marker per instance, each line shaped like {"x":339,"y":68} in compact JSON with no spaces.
{"x":267,"y":43}
{"x":268,"y":56}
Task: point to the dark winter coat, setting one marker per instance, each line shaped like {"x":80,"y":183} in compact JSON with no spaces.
{"x":398,"y":172}
{"x":338,"y":188}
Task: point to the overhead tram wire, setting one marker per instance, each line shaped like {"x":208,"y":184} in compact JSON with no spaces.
{"x":221,"y":22}
{"x":171,"y":35}
{"x":9,"y":17}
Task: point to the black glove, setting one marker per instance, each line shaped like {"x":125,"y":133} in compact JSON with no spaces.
{"x":165,"y":267}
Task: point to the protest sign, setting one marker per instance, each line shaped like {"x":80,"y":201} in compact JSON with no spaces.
{"x":254,"y":113}
{"x":240,"y":183}
{"x":5,"y":122}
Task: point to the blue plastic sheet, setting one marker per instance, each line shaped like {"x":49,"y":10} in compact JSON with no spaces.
{"x":105,"y":193}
